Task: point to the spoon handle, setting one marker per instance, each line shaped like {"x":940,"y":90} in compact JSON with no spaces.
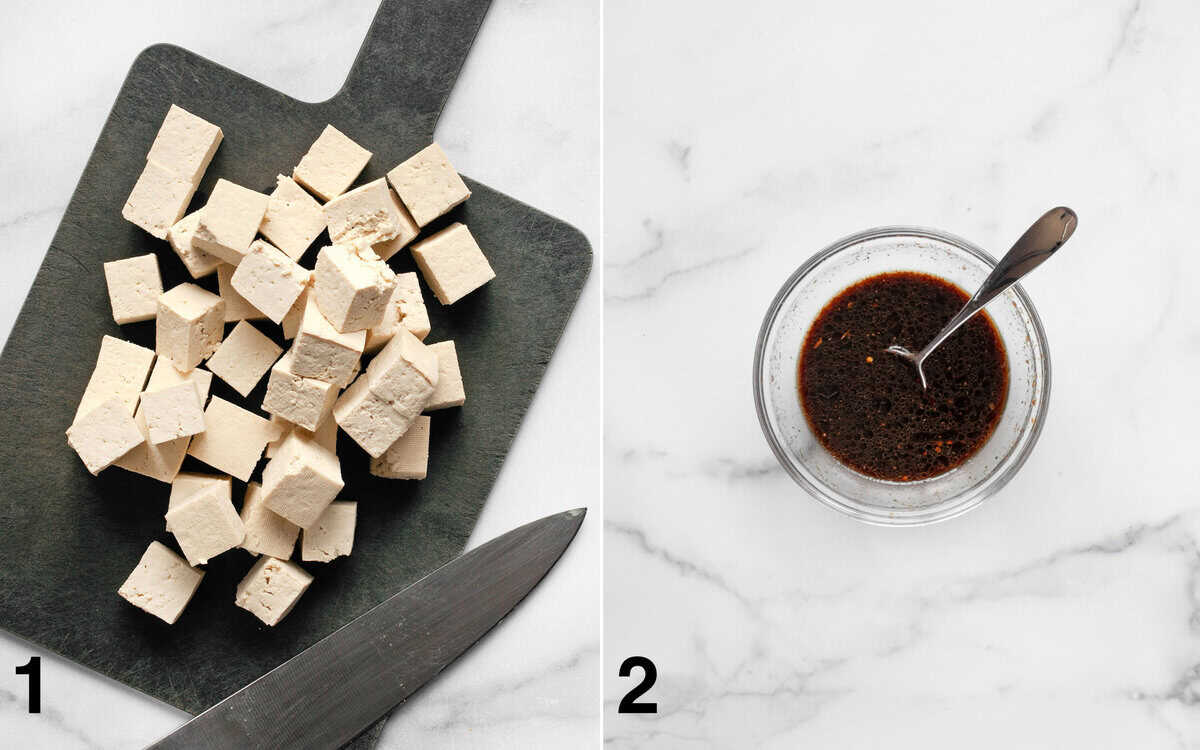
{"x":1039,"y":242}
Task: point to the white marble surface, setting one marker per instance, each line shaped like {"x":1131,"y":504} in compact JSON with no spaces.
{"x":1065,"y":612}
{"x":517,"y":124}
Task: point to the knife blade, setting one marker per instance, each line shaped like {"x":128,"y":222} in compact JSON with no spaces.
{"x":327,"y":694}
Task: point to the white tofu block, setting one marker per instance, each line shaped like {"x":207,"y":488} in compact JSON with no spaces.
{"x":452,"y":264}
{"x":293,"y":219}
{"x":449,"y":390}
{"x":187,"y":484}
{"x":104,"y":434}
{"x":266,"y":532}
{"x":271,"y":589}
{"x":172,"y":412}
{"x":368,"y":419}
{"x":331,"y":164}
{"x":301,"y":480}
{"x":165,"y":375}
{"x":352,"y":287}
{"x":244,"y":357}
{"x":121,"y":370}
{"x":302,"y":401}
{"x":370,"y":215}
{"x":269,"y":280}
{"x":284,"y":425}
{"x":190,"y":323}
{"x":198,"y":263}
{"x":428,"y":184}
{"x":237,"y":307}
{"x":404,"y":374}
{"x":162,"y":584}
{"x":322,"y":352}
{"x":229,"y":221}
{"x":234,"y":439}
{"x":408,"y":457}
{"x":160,"y":461}
{"x":185,"y":144}
{"x":405,"y":309}
{"x":205,"y":524}
{"x":332,"y":535}
{"x":291,"y":321}
{"x":158,"y":199}
{"x":133,"y":288}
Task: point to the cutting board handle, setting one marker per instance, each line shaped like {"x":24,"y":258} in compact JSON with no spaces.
{"x":410,"y":60}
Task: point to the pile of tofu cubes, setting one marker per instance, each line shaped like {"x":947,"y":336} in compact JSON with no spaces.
{"x":144,"y":411}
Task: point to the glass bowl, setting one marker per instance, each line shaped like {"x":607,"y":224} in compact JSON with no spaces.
{"x":777,"y":359}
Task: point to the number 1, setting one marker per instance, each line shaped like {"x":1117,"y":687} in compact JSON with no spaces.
{"x":33,"y":668}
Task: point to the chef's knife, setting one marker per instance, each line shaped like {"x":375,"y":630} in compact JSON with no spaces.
{"x":326,"y":695}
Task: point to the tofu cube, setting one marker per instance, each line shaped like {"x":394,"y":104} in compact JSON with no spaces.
{"x":449,"y":390}
{"x":133,"y":288}
{"x":370,"y":215}
{"x":452,"y":264}
{"x":271,"y":589}
{"x":158,"y":199}
{"x":326,"y":433}
{"x":269,"y":280}
{"x":234,"y":439}
{"x":322,"y":352}
{"x":198,"y":263}
{"x":188,"y":483}
{"x":293,"y":219}
{"x":120,"y":371}
{"x":301,"y":480}
{"x":332,"y":535}
{"x":162,"y":461}
{"x":428,"y":185}
{"x":205,"y":524}
{"x":408,"y":457}
{"x":103,"y":435}
{"x":352,"y":287}
{"x":229,"y":221}
{"x":405,"y":309}
{"x":172,"y":412}
{"x":185,"y":144}
{"x":190,"y":323}
{"x":237,"y":307}
{"x":162,"y":584}
{"x":302,"y":401}
{"x":266,"y":532}
{"x":291,"y":321}
{"x":165,"y":375}
{"x":331,"y":164}
{"x":368,"y":419}
{"x":244,"y":357}
{"x":405,"y":374}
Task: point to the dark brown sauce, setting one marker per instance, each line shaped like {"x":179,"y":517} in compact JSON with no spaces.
{"x":867,"y":407}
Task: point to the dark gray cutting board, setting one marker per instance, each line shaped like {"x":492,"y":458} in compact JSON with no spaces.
{"x":70,"y":539}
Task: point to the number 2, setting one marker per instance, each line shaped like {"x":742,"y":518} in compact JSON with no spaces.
{"x":33,"y":668}
{"x":629,"y":704}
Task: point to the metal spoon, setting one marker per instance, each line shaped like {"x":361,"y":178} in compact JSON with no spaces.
{"x":1039,"y":242}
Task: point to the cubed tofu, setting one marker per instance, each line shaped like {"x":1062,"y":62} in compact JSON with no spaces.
{"x":205,"y":524}
{"x":189,"y":483}
{"x":291,"y":321}
{"x":428,"y":184}
{"x":165,"y":375}
{"x":189,"y":325}
{"x":405,"y":309}
{"x":368,"y":419}
{"x":133,"y":288}
{"x":452,"y":264}
{"x":172,"y":412}
{"x":332,"y":535}
{"x":121,"y":371}
{"x":158,"y":199}
{"x":234,"y":439}
{"x":352,"y":287}
{"x":299,"y":400}
{"x":229,"y":221}
{"x":104,"y":434}
{"x":244,"y":357}
{"x":162,"y":461}
{"x":301,"y":480}
{"x":162,"y":584}
{"x":271,"y":589}
{"x":198,"y":263}
{"x":370,"y":215}
{"x":293,"y":219}
{"x":322,"y":352}
{"x":237,"y":307}
{"x":185,"y":144}
{"x":405,"y":374}
{"x":408,"y":457}
{"x":331,"y":164}
{"x":267,"y":533}
{"x":269,"y":280}
{"x":449,"y":390}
